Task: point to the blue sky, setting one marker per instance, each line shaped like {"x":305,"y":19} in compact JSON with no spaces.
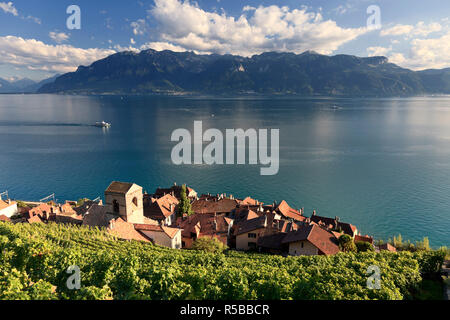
{"x":36,"y":43}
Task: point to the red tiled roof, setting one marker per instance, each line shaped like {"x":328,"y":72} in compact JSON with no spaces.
{"x":285,"y":210}
{"x":35,"y":219}
{"x":388,"y":247}
{"x":204,"y":224}
{"x":160,"y":208}
{"x":249,"y":201}
{"x":364,"y":239}
{"x":214,"y":206}
{"x":176,"y":190}
{"x":4,"y":218}
{"x":5,"y":204}
{"x":171,"y":232}
{"x":331,"y":223}
{"x":251,"y":225}
{"x":323,"y":240}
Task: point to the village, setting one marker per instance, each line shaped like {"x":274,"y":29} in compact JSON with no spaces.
{"x":240,"y":224}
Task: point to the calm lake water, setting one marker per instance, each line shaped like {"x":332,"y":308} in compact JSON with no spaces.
{"x":381,"y":164}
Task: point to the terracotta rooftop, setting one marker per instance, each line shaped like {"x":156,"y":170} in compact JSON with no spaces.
{"x":159,"y":208}
{"x":171,"y":232}
{"x":4,"y":218}
{"x":5,"y":204}
{"x":331,"y":222}
{"x":285,"y":210}
{"x":323,"y":240}
{"x":214,"y":206}
{"x":204,"y":224}
{"x":251,"y":225}
{"x":176,"y":190}
{"x":97,"y":216}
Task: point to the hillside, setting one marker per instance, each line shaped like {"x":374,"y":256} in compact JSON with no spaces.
{"x":305,"y":74}
{"x":35,"y":259}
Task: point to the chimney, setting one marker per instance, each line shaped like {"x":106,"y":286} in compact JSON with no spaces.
{"x":175,"y":184}
{"x":314,"y":213}
{"x":260,"y":209}
{"x":303,"y":211}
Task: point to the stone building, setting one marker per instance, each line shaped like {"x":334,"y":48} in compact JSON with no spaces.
{"x":125,"y":200}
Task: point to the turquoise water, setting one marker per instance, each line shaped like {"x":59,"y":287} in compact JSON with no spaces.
{"x":381,"y":164}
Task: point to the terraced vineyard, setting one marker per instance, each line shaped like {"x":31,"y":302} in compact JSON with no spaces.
{"x":35,"y":259}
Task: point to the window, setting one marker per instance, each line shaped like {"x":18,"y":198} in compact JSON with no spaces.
{"x":252,"y":235}
{"x":135,"y":201}
{"x":116,"y":206}
{"x":302,"y":244}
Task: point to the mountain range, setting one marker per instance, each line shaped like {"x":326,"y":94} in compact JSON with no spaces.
{"x":24,"y":85}
{"x":306,"y":74}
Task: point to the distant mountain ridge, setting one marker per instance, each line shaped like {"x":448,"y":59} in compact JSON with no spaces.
{"x":305,"y":74}
{"x":23,"y":85}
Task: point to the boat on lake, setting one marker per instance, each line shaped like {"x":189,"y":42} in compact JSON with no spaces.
{"x":103,"y":124}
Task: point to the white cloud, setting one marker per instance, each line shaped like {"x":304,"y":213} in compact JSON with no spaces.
{"x":160,"y":46}
{"x":8,"y":7}
{"x":132,"y":41}
{"x":378,"y":51}
{"x":431,"y":53}
{"x":139,"y":27}
{"x":58,"y":37}
{"x":34,"y":19}
{"x":36,"y":55}
{"x":397,"y":30}
{"x":420,"y":29}
{"x":272,"y":28}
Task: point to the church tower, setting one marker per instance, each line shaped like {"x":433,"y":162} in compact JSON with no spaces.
{"x":125,"y":200}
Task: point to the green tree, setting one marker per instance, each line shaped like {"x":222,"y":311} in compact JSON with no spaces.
{"x":346,"y":243}
{"x":363,"y":246}
{"x":209,"y":245}
{"x":184,"y":206}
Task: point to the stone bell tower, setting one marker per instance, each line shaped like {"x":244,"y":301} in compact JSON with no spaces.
{"x":125,"y":200}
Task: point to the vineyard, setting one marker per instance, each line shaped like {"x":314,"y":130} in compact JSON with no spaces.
{"x":35,"y":259}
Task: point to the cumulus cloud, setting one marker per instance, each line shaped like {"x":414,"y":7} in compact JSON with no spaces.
{"x":36,"y":55}
{"x":272,"y":28}
{"x":58,"y":37}
{"x":160,"y":46}
{"x":378,"y":51}
{"x":432,"y":53}
{"x":139,"y":27}
{"x":420,"y":29}
{"x":8,"y":7}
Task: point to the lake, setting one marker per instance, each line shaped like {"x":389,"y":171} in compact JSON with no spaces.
{"x":380,"y":164}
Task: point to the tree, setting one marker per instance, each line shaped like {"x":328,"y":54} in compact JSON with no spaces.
{"x":346,"y":243}
{"x":184,"y":206}
{"x":209,"y":245}
{"x":363,"y":246}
